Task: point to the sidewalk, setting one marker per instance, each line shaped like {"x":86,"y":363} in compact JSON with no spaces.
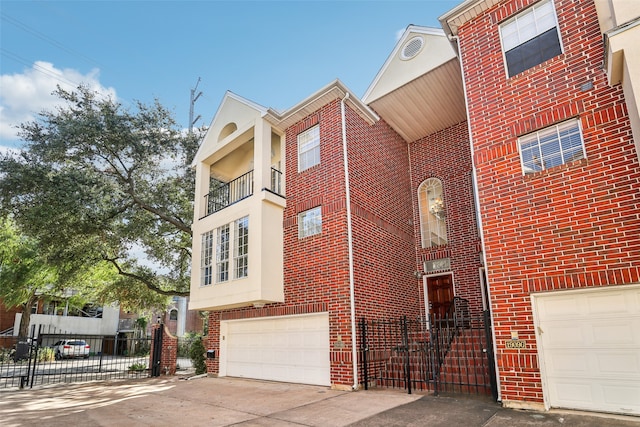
{"x":170,"y":401}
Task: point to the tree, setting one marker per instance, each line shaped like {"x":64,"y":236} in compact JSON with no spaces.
{"x":97,"y":184}
{"x":24,"y":272}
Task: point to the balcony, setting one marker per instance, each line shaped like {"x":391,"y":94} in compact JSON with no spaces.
{"x":227,"y":193}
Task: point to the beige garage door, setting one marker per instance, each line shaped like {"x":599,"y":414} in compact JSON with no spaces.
{"x":589,"y":347}
{"x":289,"y":348}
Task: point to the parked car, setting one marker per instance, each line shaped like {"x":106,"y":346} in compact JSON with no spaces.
{"x":71,"y":348}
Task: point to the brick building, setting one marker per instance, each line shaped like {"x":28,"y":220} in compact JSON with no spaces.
{"x":508,"y":177}
{"x":558,"y":184}
{"x":336,"y":221}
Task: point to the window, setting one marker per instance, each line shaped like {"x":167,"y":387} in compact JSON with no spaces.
{"x":206,"y":258}
{"x":530,"y":38}
{"x":433,"y":226}
{"x":552,"y":146}
{"x":222,"y":254}
{"x":241,"y":253}
{"x":309,"y":148}
{"x":220,"y":244}
{"x":310,"y":222}
{"x":173,"y":314}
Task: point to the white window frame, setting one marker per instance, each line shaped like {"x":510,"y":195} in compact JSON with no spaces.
{"x":223,"y":236}
{"x":431,"y":204}
{"x":241,"y":248}
{"x":309,"y":148}
{"x":310,"y":222}
{"x":537,"y":148}
{"x":206,"y":259}
{"x":540,"y":26}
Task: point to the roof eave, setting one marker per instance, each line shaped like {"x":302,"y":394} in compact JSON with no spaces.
{"x":335,"y":89}
{"x":452,"y":20}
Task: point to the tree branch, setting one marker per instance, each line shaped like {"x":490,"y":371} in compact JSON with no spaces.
{"x":173,"y":221}
{"x":144,"y":280}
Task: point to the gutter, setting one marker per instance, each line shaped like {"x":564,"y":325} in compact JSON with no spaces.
{"x":354,"y":351}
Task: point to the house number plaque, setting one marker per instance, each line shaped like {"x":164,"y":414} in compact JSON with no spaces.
{"x":516,"y":344}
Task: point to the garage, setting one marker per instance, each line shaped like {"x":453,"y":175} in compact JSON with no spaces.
{"x":288,"y":348}
{"x":589,"y":348}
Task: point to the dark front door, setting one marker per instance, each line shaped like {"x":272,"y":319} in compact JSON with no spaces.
{"x":440,"y":294}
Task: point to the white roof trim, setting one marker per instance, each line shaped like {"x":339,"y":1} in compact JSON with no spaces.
{"x":300,"y":110}
{"x":409,"y":31}
{"x":227,"y":95}
{"x":462,"y":13}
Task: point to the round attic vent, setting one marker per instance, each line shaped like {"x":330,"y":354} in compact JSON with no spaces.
{"x":412,"y":48}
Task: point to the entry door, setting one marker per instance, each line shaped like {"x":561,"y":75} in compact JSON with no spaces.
{"x":440,"y":294}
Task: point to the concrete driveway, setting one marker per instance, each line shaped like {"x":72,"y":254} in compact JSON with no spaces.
{"x":170,"y":401}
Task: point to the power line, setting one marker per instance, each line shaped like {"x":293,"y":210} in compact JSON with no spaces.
{"x":24,"y":27}
{"x":37,"y":67}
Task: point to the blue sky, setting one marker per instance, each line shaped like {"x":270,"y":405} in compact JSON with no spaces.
{"x":275,"y":53}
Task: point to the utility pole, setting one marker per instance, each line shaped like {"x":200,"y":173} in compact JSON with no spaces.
{"x":194,"y":98}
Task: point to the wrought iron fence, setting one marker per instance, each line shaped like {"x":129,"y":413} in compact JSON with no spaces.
{"x":49,"y":356}
{"x":452,"y":353}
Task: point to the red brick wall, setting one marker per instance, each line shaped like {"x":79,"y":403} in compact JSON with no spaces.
{"x":7,"y":316}
{"x":446,"y":155}
{"x":316,"y":269}
{"x":169,"y":356}
{"x":571,"y":226}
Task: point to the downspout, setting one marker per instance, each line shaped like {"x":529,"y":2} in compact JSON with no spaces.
{"x":354,"y":331}
{"x":476,"y":196}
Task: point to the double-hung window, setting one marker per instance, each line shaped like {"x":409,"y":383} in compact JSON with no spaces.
{"x":222,"y":254}
{"x":551,"y":146}
{"x":310,"y":222}
{"x":206,"y":259}
{"x":309,"y":148}
{"x":530,"y":38}
{"x":241,"y":251}
{"x":225,"y":253}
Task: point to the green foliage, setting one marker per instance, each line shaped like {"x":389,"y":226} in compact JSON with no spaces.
{"x":142,"y":348}
{"x":5,"y":355}
{"x":138,"y":367}
{"x":197,"y":355}
{"x":98,"y":185}
{"x":46,"y":354}
{"x":25,"y":273}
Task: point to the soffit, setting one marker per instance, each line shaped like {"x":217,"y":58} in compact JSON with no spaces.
{"x":427,"y":104}
{"x":464,"y":12}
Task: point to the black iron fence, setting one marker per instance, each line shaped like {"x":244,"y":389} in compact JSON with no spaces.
{"x":452,"y":353}
{"x":49,"y":356}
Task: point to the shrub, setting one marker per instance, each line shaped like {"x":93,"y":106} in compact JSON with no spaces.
{"x":138,"y":367}
{"x":196,"y":353}
{"x":46,"y":354}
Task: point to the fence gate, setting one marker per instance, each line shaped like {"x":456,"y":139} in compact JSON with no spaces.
{"x":49,"y":356}
{"x":451,"y":353}
{"x":156,"y":357}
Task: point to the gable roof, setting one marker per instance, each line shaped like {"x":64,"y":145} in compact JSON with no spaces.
{"x":419,"y":89}
{"x":232,"y":109}
{"x":334,"y":90}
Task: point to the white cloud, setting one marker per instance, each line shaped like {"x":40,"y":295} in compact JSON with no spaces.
{"x":24,"y":95}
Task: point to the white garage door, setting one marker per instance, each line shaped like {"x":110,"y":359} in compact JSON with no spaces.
{"x":290,"y":349}
{"x":589,"y":346}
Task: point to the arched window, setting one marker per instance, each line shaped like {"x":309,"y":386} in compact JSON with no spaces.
{"x":227,"y":130}
{"x":433,"y":226}
{"x":173,"y":314}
